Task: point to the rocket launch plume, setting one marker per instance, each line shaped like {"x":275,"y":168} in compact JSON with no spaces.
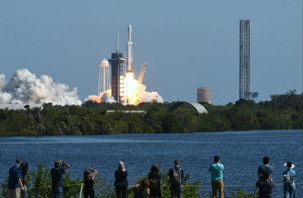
{"x":135,"y":93}
{"x":131,"y":91}
{"x":25,"y":87}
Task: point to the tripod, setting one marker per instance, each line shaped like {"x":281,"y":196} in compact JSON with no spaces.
{"x":23,"y":193}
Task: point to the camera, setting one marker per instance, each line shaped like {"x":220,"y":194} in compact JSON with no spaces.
{"x":24,"y":168}
{"x":59,"y":163}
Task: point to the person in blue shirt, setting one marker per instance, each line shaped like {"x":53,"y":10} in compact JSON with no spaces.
{"x":14,"y":180}
{"x":57,"y":182}
{"x":217,"y":170}
{"x":265,"y":168}
{"x":289,"y":186}
{"x":176,"y":175}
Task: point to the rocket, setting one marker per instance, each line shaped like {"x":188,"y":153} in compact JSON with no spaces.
{"x":129,"y":51}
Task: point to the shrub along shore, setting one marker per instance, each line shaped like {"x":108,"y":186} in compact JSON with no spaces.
{"x":281,"y":112}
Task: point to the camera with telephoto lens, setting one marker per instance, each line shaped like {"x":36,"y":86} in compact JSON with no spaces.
{"x":24,"y":168}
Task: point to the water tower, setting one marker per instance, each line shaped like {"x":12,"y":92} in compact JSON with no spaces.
{"x":204,"y":95}
{"x":103,"y":81}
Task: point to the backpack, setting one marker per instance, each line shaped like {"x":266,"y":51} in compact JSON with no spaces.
{"x":176,"y":180}
{"x":154,"y":184}
{"x":288,"y":178}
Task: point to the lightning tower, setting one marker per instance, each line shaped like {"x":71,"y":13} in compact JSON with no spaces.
{"x":244,"y":81}
{"x":244,"y":74}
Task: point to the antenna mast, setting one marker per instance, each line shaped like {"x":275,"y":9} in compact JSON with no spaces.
{"x":117,"y":47}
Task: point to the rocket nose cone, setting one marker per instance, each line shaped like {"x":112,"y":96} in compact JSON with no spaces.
{"x":129,"y":29}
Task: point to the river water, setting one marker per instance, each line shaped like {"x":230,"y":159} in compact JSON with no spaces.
{"x":241,"y":153}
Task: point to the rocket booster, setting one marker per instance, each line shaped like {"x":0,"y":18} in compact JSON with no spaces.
{"x":129,"y":51}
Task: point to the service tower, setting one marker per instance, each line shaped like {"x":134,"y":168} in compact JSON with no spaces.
{"x":116,"y":61}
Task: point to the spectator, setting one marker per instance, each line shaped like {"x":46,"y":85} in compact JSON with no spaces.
{"x":265,"y":185}
{"x":57,"y":182}
{"x":176,"y":175}
{"x":121,"y":182}
{"x":289,"y":186}
{"x":142,"y":189}
{"x":14,"y":180}
{"x":265,"y":167}
{"x":88,"y":178}
{"x":217,"y":170}
{"x":154,"y":177}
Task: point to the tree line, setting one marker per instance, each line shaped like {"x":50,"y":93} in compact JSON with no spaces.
{"x":281,"y":112}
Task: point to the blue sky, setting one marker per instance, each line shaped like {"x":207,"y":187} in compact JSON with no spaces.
{"x":187,"y":44}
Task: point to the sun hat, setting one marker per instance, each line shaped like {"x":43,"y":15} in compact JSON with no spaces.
{"x":289,"y":165}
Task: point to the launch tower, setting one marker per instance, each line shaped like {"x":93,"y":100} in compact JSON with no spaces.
{"x":116,"y":61}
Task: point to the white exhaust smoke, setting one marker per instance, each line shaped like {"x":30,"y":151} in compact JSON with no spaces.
{"x":25,"y":88}
{"x":103,"y":97}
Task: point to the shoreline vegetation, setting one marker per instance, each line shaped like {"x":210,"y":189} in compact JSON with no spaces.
{"x":39,"y":183}
{"x":281,"y":112}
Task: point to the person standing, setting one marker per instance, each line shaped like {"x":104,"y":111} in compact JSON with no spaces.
{"x":265,"y":167}
{"x":289,"y":186}
{"x":14,"y":180}
{"x":217,"y":170}
{"x":57,"y":182}
{"x":88,"y":178}
{"x":176,"y":175}
{"x":121,"y":182}
{"x":265,"y":185}
{"x":154,"y":177}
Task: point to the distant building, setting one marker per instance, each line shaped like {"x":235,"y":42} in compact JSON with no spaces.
{"x":204,"y":95}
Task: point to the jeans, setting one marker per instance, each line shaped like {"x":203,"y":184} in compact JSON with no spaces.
{"x":289,"y":191}
{"x":57,"y":192}
{"x":217,"y":186}
{"x":176,"y":192}
{"x":89,"y":193}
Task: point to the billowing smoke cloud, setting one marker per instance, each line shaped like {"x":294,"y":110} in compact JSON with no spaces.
{"x":25,"y":88}
{"x":144,"y":96}
{"x":103,"y":97}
